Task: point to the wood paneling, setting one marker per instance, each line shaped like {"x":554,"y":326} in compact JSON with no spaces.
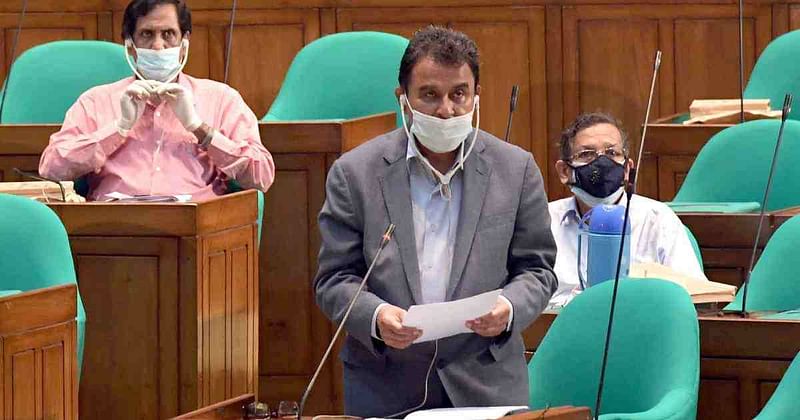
{"x":521,"y":60}
{"x":129,"y":287}
{"x":290,"y":316}
{"x":38,"y":362}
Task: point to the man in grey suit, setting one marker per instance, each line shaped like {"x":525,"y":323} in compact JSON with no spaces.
{"x":471,"y":217}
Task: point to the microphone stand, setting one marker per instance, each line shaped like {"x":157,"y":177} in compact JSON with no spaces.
{"x":626,"y":219}
{"x":512,"y":108}
{"x":741,"y":60}
{"x":787,"y":107}
{"x":387,"y":236}
{"x":230,"y":42}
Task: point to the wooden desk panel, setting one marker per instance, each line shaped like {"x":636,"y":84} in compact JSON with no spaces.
{"x":741,"y":361}
{"x":726,"y":240}
{"x":38,"y":360}
{"x":171,"y":310}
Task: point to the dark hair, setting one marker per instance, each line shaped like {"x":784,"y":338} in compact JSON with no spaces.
{"x":139,"y":8}
{"x":583,"y":122}
{"x":444,"y":45}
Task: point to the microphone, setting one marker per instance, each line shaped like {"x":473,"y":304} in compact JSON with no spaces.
{"x":741,"y":60}
{"x":387,"y":236}
{"x":230,"y":42}
{"x":13,"y":56}
{"x":625,"y":221}
{"x":512,"y":107}
{"x":787,"y":107}
{"x":41,"y":178}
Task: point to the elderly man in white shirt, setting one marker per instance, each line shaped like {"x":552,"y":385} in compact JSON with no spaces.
{"x":594,"y":164}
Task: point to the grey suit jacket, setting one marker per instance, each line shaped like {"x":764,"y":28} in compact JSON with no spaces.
{"x":503,"y":240}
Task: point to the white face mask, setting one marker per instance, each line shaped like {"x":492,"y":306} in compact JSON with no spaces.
{"x":593,"y":201}
{"x":440,"y":135}
{"x":159,"y":65}
{"x":432,"y":125}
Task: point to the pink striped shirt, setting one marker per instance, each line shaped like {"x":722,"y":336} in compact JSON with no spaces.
{"x":158,"y":156}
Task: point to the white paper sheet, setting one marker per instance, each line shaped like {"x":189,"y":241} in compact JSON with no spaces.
{"x":460,"y":413}
{"x":439,"y":320}
{"x":118,"y":196}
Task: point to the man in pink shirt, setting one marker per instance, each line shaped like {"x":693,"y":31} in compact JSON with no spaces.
{"x":160,"y":132}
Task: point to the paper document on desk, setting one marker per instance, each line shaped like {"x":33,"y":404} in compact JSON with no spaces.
{"x":461,"y":413}
{"x":439,"y":320}
{"x":125,"y":198}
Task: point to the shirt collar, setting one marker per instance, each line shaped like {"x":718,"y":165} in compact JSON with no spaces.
{"x":572,"y":209}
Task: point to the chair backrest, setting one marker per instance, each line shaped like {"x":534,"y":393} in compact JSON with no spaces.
{"x":654,"y":350}
{"x":35,"y":251}
{"x":773,"y":284}
{"x":734,"y":165}
{"x":777,"y":72}
{"x":784,"y":403}
{"x":695,"y":245}
{"x":341,"y":76}
{"x":48,"y":78}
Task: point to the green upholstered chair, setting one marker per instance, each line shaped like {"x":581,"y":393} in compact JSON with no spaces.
{"x":695,"y":246}
{"x":47,"y":79}
{"x":734,"y":165}
{"x":773,"y":283}
{"x":777,"y":72}
{"x":341,"y":76}
{"x":654,"y":359}
{"x":35,"y":252}
{"x":784,"y":403}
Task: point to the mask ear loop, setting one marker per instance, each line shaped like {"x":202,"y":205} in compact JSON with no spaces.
{"x":130,"y":44}
{"x":174,"y":74}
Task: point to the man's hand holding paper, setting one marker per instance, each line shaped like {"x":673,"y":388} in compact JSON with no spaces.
{"x":440,"y":320}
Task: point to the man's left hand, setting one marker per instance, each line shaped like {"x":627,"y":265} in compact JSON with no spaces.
{"x":493,"y":323}
{"x":180,"y":100}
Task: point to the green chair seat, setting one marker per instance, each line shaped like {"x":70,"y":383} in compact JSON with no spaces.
{"x":733,"y":167}
{"x":48,"y":78}
{"x":653,"y":362}
{"x":784,"y":403}
{"x":341,"y":76}
{"x":773,"y":283}
{"x":35,"y":252}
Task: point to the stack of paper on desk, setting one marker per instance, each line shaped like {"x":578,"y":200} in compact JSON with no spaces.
{"x":460,"y":413}
{"x":727,"y":111}
{"x":701,"y":291}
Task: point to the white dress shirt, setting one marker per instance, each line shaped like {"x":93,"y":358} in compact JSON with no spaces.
{"x":435,"y":210}
{"x":657,"y":235}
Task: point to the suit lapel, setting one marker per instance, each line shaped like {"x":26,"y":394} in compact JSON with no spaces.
{"x":476,"y":181}
{"x":397,"y":196}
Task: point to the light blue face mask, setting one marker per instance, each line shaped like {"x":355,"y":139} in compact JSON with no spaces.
{"x":159,"y":65}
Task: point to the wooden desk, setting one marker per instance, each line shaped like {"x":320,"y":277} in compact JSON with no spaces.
{"x":171,"y":298}
{"x":38,"y":363}
{"x":726,"y":240}
{"x":670,"y":150}
{"x":741,"y":361}
{"x":303,"y":152}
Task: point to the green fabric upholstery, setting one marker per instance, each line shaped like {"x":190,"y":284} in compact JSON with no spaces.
{"x":47,"y":79}
{"x":35,"y":252}
{"x":695,"y":246}
{"x":233,"y":186}
{"x":734,"y":165}
{"x":784,"y":403}
{"x":341,"y":76}
{"x":773,"y":284}
{"x":654,"y":359}
{"x":777,"y":72}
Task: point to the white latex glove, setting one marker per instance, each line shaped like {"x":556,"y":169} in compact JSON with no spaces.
{"x":180,"y":100}
{"x":132,"y":103}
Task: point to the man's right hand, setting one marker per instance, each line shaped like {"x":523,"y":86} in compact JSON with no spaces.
{"x":392,"y":331}
{"x":132,"y":102}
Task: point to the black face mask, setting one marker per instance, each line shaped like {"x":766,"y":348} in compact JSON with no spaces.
{"x":601,"y":177}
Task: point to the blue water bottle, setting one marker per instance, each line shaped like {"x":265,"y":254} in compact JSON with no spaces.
{"x":600,"y":231}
